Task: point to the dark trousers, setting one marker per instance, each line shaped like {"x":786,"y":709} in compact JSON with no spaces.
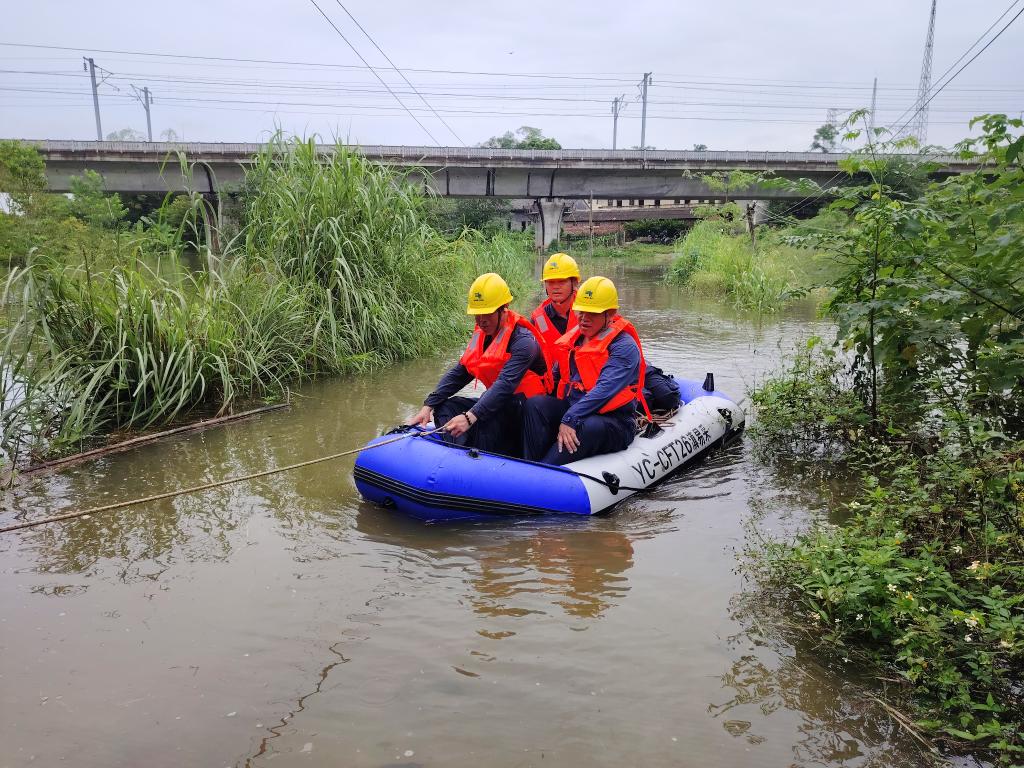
{"x":501,"y":433}
{"x":598,"y":433}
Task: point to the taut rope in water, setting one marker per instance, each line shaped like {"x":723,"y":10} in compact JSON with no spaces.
{"x":206,"y":486}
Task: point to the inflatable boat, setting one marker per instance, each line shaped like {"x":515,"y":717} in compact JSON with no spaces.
{"x":427,"y":478}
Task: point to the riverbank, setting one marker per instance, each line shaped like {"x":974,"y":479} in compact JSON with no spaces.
{"x":333,"y":269}
{"x":923,"y":399}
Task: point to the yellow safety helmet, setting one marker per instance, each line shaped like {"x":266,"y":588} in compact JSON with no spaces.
{"x":597,"y":294}
{"x":560,"y":266}
{"x":487,"y":294}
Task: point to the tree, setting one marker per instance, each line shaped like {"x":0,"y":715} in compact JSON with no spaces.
{"x":92,"y":204}
{"x":645,"y":146}
{"x":529,"y":138}
{"x":125,"y":134}
{"x":22,"y":172}
{"x":451,"y":216}
{"x":169,"y":135}
{"x":825,"y":138}
{"x":700,"y":147}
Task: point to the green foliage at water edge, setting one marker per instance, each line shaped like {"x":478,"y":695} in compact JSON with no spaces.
{"x":924,"y":396}
{"x":716,"y":258}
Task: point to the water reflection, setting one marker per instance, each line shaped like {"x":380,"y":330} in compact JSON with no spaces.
{"x":780,"y":673}
{"x":576,"y":568}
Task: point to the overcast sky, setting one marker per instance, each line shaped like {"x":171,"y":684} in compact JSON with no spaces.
{"x":731,"y":75}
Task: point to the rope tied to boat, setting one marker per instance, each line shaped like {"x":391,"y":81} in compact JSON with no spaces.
{"x":208,"y":486}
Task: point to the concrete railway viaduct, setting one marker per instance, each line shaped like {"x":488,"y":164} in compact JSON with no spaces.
{"x":549,"y":177}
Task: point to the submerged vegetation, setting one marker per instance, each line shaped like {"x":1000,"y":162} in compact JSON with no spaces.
{"x":334,"y":269}
{"x":925,"y":399}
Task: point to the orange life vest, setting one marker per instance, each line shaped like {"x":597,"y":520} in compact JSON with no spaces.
{"x":590,"y":359}
{"x":485,"y":364}
{"x":547,"y":329}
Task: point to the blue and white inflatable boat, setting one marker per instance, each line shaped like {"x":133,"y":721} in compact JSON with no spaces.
{"x":429,"y":479}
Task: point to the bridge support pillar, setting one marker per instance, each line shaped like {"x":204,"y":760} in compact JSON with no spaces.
{"x":549,"y":222}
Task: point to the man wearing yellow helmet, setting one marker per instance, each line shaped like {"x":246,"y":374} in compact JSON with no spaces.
{"x":554,"y":317}
{"x":506,"y":354}
{"x":599,"y":371}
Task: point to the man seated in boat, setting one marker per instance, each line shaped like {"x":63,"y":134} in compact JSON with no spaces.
{"x":506,"y":354}
{"x":599,"y":374}
{"x":554,"y":318}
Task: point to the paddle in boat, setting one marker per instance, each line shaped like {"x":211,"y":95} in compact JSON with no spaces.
{"x":427,"y":478}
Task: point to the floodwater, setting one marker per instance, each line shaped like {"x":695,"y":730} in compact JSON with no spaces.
{"x":286,"y":621}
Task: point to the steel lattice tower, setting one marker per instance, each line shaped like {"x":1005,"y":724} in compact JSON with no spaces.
{"x":918,"y":126}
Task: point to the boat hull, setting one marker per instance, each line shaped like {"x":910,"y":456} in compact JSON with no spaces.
{"x":424,"y":477}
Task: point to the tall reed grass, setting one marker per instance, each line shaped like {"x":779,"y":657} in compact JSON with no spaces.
{"x":334,"y":271}
{"x":714,"y":261}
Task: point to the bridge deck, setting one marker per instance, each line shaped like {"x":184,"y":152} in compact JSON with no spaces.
{"x":132,"y":167}
{"x":479,"y":156}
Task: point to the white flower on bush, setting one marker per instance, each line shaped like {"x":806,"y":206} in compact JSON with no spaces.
{"x":1005,"y":644}
{"x":892,"y":587}
{"x":860,"y":616}
{"x":967,"y":638}
{"x":971,"y":621}
{"x":958,"y":550}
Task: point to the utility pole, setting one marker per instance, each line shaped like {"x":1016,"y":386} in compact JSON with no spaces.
{"x":145,"y":98}
{"x":871,"y":124}
{"x":618,"y":104}
{"x":89,"y":64}
{"x":643,"y":116}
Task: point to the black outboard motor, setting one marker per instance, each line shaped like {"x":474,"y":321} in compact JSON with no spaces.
{"x":709,"y":382}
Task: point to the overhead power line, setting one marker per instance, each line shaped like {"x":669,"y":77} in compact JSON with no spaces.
{"x":935,"y":93}
{"x":389,"y":110}
{"x":952,"y":77}
{"x":623,"y":79}
{"x":320,"y":64}
{"x":395,"y":67}
{"x":374,"y":71}
{"x":216,"y":86}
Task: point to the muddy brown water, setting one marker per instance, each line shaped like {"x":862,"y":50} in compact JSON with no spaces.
{"x":286,"y":621}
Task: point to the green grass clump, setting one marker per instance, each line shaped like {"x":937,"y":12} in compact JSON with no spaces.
{"x":714,"y":261}
{"x":335,"y":270}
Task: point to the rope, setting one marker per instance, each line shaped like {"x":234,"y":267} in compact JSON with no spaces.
{"x":206,"y":486}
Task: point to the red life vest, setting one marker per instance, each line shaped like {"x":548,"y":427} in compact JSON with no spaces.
{"x":485,"y":364}
{"x":590,"y":359}
{"x":547,"y":329}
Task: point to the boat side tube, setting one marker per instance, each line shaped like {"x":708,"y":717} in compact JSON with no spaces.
{"x":707,"y":421}
{"x":429,"y":479}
